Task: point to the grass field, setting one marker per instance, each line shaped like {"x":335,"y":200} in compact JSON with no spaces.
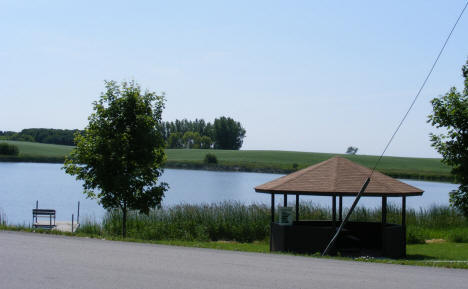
{"x":38,"y":149}
{"x":256,"y":161}
{"x":283,"y":161}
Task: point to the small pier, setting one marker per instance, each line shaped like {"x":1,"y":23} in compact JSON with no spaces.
{"x":63,"y":226}
{"x":45,"y":219}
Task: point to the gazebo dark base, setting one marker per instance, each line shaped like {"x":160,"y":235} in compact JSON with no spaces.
{"x":356,"y":239}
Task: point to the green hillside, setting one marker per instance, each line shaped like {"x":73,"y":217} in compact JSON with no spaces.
{"x":40,"y":149}
{"x":283,"y":161}
{"x":257,"y":161}
{"x":37,"y":152}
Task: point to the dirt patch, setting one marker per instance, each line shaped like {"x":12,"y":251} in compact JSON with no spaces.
{"x":435,"y":241}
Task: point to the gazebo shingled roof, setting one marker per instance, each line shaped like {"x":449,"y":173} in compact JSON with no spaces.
{"x":337,"y":176}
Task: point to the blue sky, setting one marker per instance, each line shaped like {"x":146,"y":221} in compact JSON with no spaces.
{"x":299,"y":75}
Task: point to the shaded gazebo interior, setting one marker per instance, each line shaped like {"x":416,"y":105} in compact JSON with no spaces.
{"x":337,"y":178}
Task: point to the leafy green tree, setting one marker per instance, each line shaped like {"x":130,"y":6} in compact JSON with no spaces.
{"x":450,"y":112}
{"x":175,"y":141}
{"x":351,"y":150}
{"x":119,"y":156}
{"x":205,"y":142}
{"x":228,"y":134}
{"x":191,"y":140}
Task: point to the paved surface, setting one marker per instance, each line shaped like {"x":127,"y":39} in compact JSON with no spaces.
{"x":40,"y":261}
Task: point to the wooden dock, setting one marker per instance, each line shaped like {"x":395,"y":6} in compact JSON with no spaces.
{"x":45,"y":219}
{"x":62,"y":226}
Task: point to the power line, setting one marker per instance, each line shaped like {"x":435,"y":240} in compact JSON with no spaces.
{"x":364,"y":186}
{"x":420,"y":89}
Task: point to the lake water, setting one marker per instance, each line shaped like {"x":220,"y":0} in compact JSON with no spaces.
{"x":21,"y":184}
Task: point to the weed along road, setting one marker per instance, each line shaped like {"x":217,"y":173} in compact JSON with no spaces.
{"x":29,"y":260}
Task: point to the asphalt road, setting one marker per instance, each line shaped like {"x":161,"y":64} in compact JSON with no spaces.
{"x":30,"y":260}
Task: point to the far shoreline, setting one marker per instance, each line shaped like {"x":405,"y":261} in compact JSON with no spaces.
{"x":237,"y":167}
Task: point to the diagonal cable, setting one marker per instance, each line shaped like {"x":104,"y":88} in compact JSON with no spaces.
{"x":364,"y":186}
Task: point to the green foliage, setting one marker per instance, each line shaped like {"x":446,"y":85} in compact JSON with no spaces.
{"x":6,"y":134}
{"x":458,"y":236}
{"x":120,"y":154}
{"x":234,"y":221}
{"x":8,"y":149}
{"x":191,"y":140}
{"x":415,"y":237}
{"x":43,"y":135}
{"x":451,"y":113}
{"x":182,"y":126}
{"x":222,"y":221}
{"x":210,"y":159}
{"x":225,"y":133}
{"x":205,"y":142}
{"x":175,"y":140}
{"x":228,"y":134}
{"x":351,"y":150}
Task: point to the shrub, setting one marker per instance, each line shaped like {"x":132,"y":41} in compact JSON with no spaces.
{"x":458,"y":237}
{"x":210,"y":159}
{"x":8,"y":149}
{"x":414,"y":237}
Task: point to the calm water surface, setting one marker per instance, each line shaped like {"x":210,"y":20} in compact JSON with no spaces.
{"x":21,"y":184}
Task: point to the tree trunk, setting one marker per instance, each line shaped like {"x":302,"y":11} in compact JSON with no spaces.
{"x":124,"y":220}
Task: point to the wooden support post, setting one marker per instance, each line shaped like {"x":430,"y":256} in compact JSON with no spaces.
{"x":37,"y":207}
{"x":384,"y":219}
{"x":334,"y":212}
{"x":272,"y":208}
{"x":72,"y":224}
{"x":403,"y":223}
{"x":285,"y":200}
{"x":340,"y":209}
{"x":384,"y":210}
{"x":272,"y":219}
{"x":297,"y":207}
{"x":78,"y":216}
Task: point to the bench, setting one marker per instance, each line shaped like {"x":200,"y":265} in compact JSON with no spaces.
{"x":43,"y":213}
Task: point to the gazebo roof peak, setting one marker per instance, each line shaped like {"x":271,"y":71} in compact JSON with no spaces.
{"x":337,"y":176}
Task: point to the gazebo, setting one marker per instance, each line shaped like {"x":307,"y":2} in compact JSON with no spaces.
{"x":338,"y":177}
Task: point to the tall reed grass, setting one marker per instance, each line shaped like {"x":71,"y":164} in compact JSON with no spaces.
{"x":246,"y":223}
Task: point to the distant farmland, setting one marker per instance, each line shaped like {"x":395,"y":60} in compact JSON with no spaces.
{"x":254,"y":160}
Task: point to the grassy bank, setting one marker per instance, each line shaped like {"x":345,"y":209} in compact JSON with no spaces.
{"x":37,"y":152}
{"x":233,"y":221}
{"x":254,"y":161}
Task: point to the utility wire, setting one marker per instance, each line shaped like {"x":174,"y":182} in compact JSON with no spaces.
{"x":420,"y":89}
{"x":364,"y":186}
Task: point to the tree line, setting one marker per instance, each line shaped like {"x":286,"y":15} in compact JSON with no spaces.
{"x":42,"y":135}
{"x":224,"y":133}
